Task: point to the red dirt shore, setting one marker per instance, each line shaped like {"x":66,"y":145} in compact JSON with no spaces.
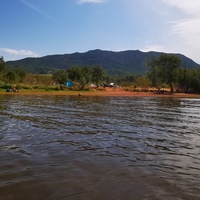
{"x":103,"y":92}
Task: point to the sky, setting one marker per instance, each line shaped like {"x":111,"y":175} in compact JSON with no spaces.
{"x":36,"y":28}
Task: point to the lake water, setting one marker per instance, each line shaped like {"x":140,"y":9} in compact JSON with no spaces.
{"x":99,"y":148}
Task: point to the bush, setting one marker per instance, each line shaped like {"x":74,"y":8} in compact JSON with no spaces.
{"x":6,"y":86}
{"x":26,"y":87}
{"x":1,"y":83}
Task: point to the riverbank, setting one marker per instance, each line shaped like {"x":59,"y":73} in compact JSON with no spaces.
{"x":101,"y":92}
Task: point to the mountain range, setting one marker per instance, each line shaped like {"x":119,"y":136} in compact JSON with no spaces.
{"x":114,"y":63}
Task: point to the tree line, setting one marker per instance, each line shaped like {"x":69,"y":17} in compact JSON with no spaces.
{"x":11,"y":75}
{"x":168,"y":69}
{"x":164,"y":71}
{"x":80,"y":75}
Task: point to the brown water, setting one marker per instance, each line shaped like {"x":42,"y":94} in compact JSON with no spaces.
{"x":97,"y":148}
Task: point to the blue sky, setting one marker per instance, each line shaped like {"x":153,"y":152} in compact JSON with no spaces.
{"x":35,"y":28}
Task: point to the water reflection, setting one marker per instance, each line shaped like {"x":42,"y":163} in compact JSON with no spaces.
{"x":99,"y":147}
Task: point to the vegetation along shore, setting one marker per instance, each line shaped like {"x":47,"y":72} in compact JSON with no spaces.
{"x":165,"y":76}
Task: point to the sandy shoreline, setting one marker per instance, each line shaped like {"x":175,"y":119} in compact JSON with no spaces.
{"x":104,"y":92}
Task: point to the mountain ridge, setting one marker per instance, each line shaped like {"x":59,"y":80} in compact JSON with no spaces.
{"x":113,"y":62}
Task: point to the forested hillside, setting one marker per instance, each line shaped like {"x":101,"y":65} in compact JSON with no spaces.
{"x":114,"y":63}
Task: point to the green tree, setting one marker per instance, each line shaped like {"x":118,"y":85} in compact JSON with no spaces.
{"x":98,"y":74}
{"x":194,"y":81}
{"x":60,"y":76}
{"x":189,"y":80}
{"x":169,"y":65}
{"x":183,"y":79}
{"x":21,"y":72}
{"x":82,"y":76}
{"x":2,"y":64}
{"x":74,"y":73}
{"x":85,"y":76}
{"x":164,"y":69}
{"x":87,"y":73}
{"x":154,"y":71}
{"x":10,"y":76}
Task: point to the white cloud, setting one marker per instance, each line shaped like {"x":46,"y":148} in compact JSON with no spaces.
{"x":187,"y":28}
{"x":189,"y":7}
{"x":90,"y":1}
{"x":19,"y":52}
{"x":154,"y":47}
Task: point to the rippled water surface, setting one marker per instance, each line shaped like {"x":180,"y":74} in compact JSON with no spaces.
{"x":61,"y":147}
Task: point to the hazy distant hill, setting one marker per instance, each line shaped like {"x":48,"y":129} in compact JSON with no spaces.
{"x":123,"y":62}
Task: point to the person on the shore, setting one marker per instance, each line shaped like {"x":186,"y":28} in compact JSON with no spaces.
{"x":14,"y":89}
